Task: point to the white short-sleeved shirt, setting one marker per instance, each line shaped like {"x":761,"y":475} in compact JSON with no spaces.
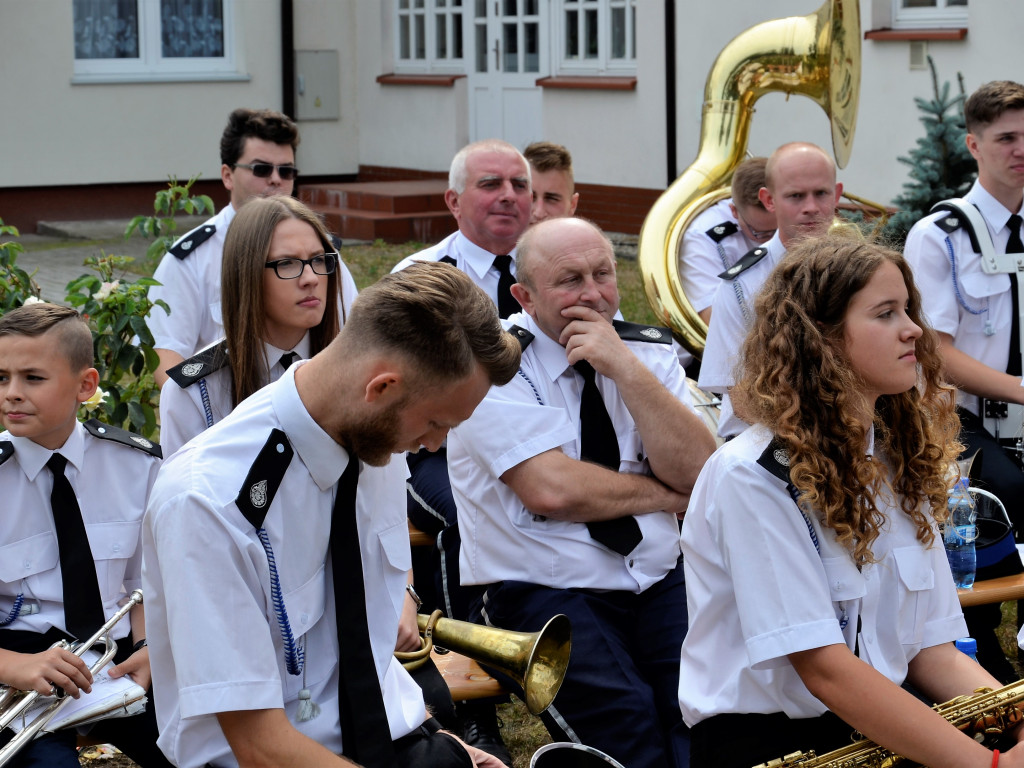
{"x":976,"y":309}
{"x":112,"y":483}
{"x":469,"y":257}
{"x":183,"y":412}
{"x":731,"y":317}
{"x":757,"y":590}
{"x":191,"y":288}
{"x":711,"y":244}
{"x":215,"y":644}
{"x":538,"y":411}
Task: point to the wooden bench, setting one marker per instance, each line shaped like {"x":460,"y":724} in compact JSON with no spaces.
{"x":465,"y":679}
{"x":418,"y":538}
{"x":993,"y":591}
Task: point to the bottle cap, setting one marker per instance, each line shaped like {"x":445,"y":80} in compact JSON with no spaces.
{"x":967,"y":645}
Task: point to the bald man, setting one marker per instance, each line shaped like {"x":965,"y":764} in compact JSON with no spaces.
{"x":801,"y":190}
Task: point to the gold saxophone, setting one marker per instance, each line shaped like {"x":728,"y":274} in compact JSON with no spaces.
{"x":986,"y":713}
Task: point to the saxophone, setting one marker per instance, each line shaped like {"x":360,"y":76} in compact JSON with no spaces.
{"x":985,"y":713}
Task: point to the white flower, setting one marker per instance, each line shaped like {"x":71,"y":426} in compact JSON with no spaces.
{"x":105,"y":290}
{"x":33,"y":300}
{"x":95,"y":400}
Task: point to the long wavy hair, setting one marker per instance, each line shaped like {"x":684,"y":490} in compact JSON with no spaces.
{"x":246,"y":249}
{"x":795,"y":379}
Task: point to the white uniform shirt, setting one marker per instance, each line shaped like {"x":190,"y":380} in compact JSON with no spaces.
{"x":191,"y":288}
{"x":215,"y":644}
{"x":976,"y":309}
{"x":112,"y":483}
{"x":732,"y":313}
{"x":469,"y":257}
{"x":182,"y":412}
{"x":702,"y":259}
{"x":757,"y":590}
{"x":501,"y":539}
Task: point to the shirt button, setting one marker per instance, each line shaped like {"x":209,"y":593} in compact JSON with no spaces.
{"x":117,"y":547}
{"x":28,"y":564}
{"x":631,"y":563}
{"x":639,"y":457}
{"x":304,"y":618}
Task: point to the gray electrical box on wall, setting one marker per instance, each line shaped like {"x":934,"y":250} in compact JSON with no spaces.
{"x":317,"y":85}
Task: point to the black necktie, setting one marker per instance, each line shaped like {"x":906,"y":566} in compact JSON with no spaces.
{"x":507,"y":304}
{"x":600,"y":445}
{"x":288,"y":358}
{"x":365,"y":732}
{"x":83,"y":606}
{"x":1014,"y":245}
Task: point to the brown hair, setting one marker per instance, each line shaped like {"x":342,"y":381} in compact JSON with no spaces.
{"x":265,"y":124}
{"x":246,"y":248}
{"x":74,"y":339}
{"x":436,"y":317}
{"x":747,"y":180}
{"x":990,"y":101}
{"x":547,"y":156}
{"x":796,"y":380}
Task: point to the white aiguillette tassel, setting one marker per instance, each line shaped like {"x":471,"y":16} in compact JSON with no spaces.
{"x":308,"y":709}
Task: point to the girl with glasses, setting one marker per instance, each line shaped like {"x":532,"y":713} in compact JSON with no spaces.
{"x":817,"y":583}
{"x":281,"y":299}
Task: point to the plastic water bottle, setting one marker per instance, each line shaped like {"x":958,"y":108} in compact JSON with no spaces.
{"x":959,"y":533}
{"x":969,"y":646}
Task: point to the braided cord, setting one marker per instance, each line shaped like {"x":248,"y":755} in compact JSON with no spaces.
{"x":294,"y":656}
{"x":15,"y":610}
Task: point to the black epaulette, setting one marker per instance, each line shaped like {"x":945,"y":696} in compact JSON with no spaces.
{"x":719,"y":232}
{"x":103,"y":431}
{"x":745,"y":263}
{"x":956,"y":220}
{"x":264,"y":478}
{"x":448,"y":260}
{"x":192,"y":240}
{"x":775,"y":458}
{"x":6,"y":450}
{"x":637,"y":332}
{"x":523,"y":336}
{"x":200,"y":365}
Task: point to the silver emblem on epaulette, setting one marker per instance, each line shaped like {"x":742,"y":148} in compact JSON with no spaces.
{"x":191,"y":369}
{"x":186,"y":245}
{"x":953,"y":221}
{"x":734,"y":269}
{"x":258,"y":494}
{"x":139,"y":440}
{"x":651,"y":333}
{"x":719,"y":229}
{"x":781,"y":456}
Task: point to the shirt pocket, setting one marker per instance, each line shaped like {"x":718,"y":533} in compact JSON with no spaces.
{"x":916,"y":579}
{"x":29,"y":557}
{"x":112,"y":544}
{"x":846,"y":585}
{"x":397,"y":560}
{"x":305,"y":607}
{"x":978,"y":288}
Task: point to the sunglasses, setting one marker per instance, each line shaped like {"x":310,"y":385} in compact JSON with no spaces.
{"x":265,"y":170}
{"x":291,"y":267}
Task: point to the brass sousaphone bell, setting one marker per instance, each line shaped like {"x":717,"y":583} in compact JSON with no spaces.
{"x":817,"y":55}
{"x":535,"y":660}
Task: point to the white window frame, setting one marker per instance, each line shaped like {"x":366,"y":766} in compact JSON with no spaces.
{"x":430,"y":10}
{"x":151,"y":66}
{"x":603,"y":63}
{"x":942,"y":15}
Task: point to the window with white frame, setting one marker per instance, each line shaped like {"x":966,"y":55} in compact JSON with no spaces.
{"x":140,"y":40}
{"x":929,"y":13}
{"x":597,"y":36}
{"x":429,"y":36}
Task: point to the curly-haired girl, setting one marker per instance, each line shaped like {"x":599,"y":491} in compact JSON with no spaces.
{"x":816,"y":583}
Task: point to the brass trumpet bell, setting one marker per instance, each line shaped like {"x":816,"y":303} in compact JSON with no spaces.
{"x":535,"y":660}
{"x":817,"y":55}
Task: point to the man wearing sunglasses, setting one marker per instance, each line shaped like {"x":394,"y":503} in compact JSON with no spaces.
{"x":257,"y":152}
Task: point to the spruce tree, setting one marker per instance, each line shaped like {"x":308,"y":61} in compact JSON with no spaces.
{"x":940,"y":165}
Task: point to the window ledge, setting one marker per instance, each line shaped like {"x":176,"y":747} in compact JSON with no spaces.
{"x":108,"y":78}
{"x":442,"y":81}
{"x":593,"y":83}
{"x":951,"y":33}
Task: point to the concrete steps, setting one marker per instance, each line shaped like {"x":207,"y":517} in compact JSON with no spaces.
{"x":393,"y":211}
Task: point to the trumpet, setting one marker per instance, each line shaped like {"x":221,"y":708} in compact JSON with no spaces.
{"x":15,"y":703}
{"x":535,"y":660}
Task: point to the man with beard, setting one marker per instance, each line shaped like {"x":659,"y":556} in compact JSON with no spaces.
{"x":264,"y":648}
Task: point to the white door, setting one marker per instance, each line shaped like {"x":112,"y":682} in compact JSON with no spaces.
{"x":507,"y":48}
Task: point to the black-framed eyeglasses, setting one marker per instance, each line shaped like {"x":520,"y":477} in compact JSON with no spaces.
{"x":762,"y":235}
{"x":291,"y":267}
{"x":266,"y":170}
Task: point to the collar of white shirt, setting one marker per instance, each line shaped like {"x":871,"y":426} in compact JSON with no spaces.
{"x":476,"y":258}
{"x":32,"y":457}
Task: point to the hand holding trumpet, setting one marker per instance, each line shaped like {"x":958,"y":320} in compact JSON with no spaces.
{"x":46,"y":671}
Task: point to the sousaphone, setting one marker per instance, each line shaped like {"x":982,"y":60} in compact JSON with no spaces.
{"x":818,"y":56}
